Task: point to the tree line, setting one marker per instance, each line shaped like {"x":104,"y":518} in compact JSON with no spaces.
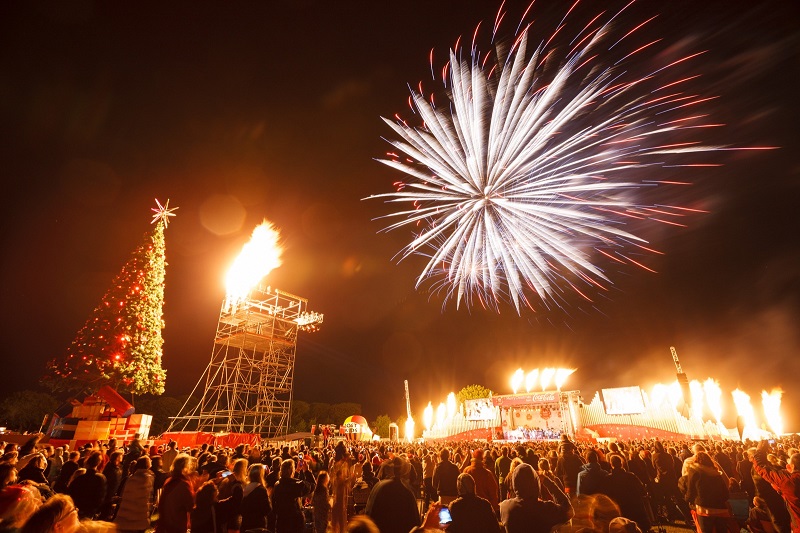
{"x":26,"y":410}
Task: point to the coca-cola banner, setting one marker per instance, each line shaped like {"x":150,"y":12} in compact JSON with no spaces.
{"x":525,"y":399}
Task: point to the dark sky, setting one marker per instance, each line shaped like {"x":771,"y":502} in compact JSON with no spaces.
{"x":242,"y":111}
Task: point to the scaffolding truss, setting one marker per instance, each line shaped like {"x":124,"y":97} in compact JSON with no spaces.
{"x":247,"y":385}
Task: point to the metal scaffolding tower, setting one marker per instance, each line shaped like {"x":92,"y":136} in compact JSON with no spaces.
{"x":247,"y":386}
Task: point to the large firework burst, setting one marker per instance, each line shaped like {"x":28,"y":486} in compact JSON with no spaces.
{"x":532,"y":169}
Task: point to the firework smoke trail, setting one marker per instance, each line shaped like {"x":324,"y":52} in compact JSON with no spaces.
{"x":530,"y":170}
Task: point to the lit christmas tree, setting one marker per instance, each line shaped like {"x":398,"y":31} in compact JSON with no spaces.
{"x":121,"y":344}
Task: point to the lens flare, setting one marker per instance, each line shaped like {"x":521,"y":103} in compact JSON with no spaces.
{"x":258,"y":257}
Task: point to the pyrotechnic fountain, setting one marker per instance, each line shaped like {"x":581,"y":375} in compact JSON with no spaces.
{"x":247,"y":386}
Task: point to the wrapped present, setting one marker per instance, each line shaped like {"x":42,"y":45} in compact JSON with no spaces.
{"x":92,"y":430}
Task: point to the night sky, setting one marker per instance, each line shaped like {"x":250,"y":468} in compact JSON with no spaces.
{"x":242,"y":111}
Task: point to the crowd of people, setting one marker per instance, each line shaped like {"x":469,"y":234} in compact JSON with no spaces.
{"x":348,"y":486}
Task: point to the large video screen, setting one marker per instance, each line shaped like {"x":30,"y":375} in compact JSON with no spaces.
{"x":623,"y":401}
{"x":480,"y":409}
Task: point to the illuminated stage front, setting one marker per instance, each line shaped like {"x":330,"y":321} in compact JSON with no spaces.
{"x":542,"y":416}
{"x":532,"y":416}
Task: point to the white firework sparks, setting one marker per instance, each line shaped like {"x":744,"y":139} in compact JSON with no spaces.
{"x":528,"y":172}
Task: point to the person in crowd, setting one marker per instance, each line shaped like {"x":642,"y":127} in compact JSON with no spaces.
{"x":210,"y":514}
{"x":177,"y":497}
{"x":88,"y":490}
{"x":135,"y":450}
{"x":392,"y":505}
{"x":56,"y":515}
{"x":516,"y":461}
{"x":362,"y":524}
{"x":785,"y":481}
{"x":502,"y":467}
{"x":569,"y":465}
{"x":341,"y":476}
{"x":135,"y":503}
{"x":321,"y":502}
{"x":274,"y":474}
{"x":526,"y":512}
{"x":616,"y":449}
{"x":723,"y":460}
{"x":428,"y":467}
{"x":111,"y":447}
{"x":8,"y":475}
{"x":744,"y":470}
{"x":113,"y":474}
{"x":363,"y":487}
{"x":592,"y":477}
{"x":286,"y":495}
{"x":707,"y":491}
{"x":777,"y":508}
{"x":485,"y":483}
{"x":444,"y":478}
{"x":78,"y":473}
{"x":17,"y":504}
{"x":545,"y":470}
{"x":169,"y":455}
{"x":629,"y":493}
{"x":160,"y":475}
{"x":600,"y":512}
{"x":759,"y":519}
{"x":666,"y":484}
{"x":29,"y":446}
{"x":255,"y":506}
{"x":470,"y":512}
{"x":237,"y":478}
{"x":621,"y":524}
{"x":696,"y":448}
{"x":233,"y":485}
{"x":638,"y":467}
{"x":34,"y":470}
{"x":55,"y":461}
{"x":69,"y":468}
{"x":416,"y":474}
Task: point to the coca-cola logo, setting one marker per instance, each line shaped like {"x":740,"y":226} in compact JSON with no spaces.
{"x":543,"y":397}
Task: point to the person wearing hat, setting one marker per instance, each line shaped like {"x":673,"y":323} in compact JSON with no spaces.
{"x":526,"y":512}
{"x":392,"y":505}
{"x":470,"y":512}
{"x":17,"y":504}
{"x":569,"y":465}
{"x":485,"y":483}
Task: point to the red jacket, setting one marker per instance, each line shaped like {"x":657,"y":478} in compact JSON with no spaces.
{"x":485,"y":483}
{"x":174,"y":506}
{"x":786,"y":483}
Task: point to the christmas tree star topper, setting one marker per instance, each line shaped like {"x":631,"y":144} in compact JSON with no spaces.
{"x":163,"y":212}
